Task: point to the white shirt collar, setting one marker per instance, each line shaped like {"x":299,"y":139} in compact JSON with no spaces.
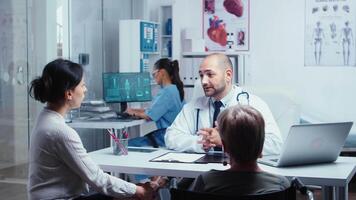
{"x":226,"y":99}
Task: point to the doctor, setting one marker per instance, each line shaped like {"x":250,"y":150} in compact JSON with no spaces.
{"x":194,"y":130}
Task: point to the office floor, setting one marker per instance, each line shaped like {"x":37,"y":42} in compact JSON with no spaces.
{"x":13,"y":186}
{"x":13,"y":182}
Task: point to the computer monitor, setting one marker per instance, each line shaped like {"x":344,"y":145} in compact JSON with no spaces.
{"x":126,"y":87}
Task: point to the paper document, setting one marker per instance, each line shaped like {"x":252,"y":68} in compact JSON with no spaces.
{"x":178,"y":157}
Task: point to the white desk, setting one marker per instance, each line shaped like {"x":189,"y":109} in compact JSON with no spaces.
{"x":333,"y":177}
{"x":145,"y":126}
{"x":330,"y":176}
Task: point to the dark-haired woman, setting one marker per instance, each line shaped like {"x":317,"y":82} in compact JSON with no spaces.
{"x":165,"y":106}
{"x":59,"y":166}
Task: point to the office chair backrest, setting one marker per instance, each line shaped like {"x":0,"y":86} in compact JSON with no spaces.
{"x":287,"y":194}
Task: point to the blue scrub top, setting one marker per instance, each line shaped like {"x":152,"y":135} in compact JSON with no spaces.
{"x":165,"y":106}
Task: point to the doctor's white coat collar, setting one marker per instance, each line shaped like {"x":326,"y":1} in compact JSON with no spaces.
{"x":203,"y":101}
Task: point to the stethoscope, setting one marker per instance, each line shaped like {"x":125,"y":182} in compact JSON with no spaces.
{"x":243,"y":93}
{"x":238,"y":98}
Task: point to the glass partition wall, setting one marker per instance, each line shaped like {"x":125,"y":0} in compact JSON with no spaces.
{"x":32,"y":33}
{"x":14,"y":123}
{"x":28,"y":40}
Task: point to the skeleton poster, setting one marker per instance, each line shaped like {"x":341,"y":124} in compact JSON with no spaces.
{"x":330,"y":33}
{"x":226,"y":25}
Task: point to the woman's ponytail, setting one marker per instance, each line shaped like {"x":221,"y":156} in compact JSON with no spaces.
{"x":38,"y":90}
{"x":176,"y":79}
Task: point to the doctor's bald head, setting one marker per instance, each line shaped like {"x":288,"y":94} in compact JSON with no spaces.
{"x":217,"y":60}
{"x":216,"y":75}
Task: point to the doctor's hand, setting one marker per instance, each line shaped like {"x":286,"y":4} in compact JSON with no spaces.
{"x":210,"y":138}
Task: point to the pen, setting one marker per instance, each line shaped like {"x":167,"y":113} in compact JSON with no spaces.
{"x":125,"y":134}
{"x":117,"y":141}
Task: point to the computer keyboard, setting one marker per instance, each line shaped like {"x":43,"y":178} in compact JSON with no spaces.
{"x":124,"y":115}
{"x":108,"y":117}
{"x":112,"y":119}
{"x":116,"y":120}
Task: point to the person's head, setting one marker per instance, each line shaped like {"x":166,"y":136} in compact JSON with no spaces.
{"x":242,"y":131}
{"x":216,"y":75}
{"x":61,"y":83}
{"x":164,"y":69}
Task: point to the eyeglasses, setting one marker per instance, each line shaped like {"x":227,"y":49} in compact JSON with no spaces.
{"x":154,"y":72}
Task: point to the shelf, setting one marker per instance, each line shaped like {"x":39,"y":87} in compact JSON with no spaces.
{"x":170,"y":58}
{"x":166,"y":36}
{"x":203,"y":54}
{"x":150,"y":52}
{"x":165,"y":19}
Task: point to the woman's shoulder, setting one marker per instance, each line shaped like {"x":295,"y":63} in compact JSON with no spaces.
{"x":51,"y":124}
{"x":170,"y":88}
{"x":57,"y":130}
{"x":169,"y":91}
{"x":212,"y":174}
{"x":275,"y":178}
{"x":267,"y":174}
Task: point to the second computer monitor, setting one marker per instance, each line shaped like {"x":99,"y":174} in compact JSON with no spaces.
{"x":126,"y":87}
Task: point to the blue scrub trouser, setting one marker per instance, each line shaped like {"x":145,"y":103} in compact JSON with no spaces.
{"x":153,"y":139}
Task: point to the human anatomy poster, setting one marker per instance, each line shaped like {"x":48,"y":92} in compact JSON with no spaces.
{"x":330,"y":33}
{"x":226,"y":25}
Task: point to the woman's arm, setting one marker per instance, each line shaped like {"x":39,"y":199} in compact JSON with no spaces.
{"x":70,"y":150}
{"x":137,"y":109}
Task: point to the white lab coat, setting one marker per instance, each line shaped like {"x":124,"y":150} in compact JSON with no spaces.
{"x":181,"y":135}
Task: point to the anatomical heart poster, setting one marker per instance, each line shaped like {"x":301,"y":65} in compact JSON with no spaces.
{"x":330,"y":33}
{"x":226,"y":25}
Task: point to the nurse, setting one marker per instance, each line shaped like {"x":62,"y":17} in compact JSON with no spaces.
{"x":165,"y":105}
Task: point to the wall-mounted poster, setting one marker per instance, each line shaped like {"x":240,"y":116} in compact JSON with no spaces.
{"x":226,"y":25}
{"x":330,"y":33}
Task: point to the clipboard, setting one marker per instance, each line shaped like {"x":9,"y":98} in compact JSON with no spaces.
{"x":198,"y":158}
{"x":178,"y":157}
{"x":214,"y":157}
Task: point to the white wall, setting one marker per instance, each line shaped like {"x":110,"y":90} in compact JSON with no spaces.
{"x":113,"y":12}
{"x":276,"y":59}
{"x":86,"y":37}
{"x":187,"y":14}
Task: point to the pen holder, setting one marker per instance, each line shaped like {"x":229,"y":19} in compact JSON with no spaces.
{"x":120,"y":147}
{"x":120,"y":141}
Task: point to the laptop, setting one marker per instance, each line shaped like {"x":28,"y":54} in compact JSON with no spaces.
{"x":310,"y":143}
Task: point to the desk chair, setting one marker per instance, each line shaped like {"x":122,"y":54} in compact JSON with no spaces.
{"x":350,"y":146}
{"x":287,"y":194}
